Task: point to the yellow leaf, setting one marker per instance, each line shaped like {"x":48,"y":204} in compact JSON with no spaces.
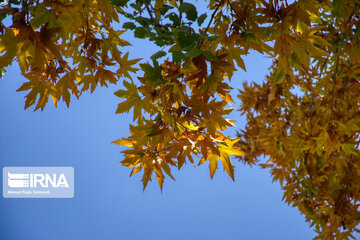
{"x":227,"y":164}
{"x":213,"y":162}
{"x":123,"y":142}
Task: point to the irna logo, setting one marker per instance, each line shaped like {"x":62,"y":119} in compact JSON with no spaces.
{"x":38,"y":182}
{"x":19,"y":180}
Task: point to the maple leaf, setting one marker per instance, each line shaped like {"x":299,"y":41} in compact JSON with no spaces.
{"x":133,"y":100}
{"x":126,"y":66}
{"x":304,"y":116}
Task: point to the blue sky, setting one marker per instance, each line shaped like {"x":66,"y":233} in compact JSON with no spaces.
{"x":110,"y":205}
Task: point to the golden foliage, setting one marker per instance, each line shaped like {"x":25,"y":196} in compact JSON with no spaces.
{"x":63,"y":48}
{"x":305,"y":117}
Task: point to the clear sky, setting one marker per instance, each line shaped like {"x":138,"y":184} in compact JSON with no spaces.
{"x":110,"y":205}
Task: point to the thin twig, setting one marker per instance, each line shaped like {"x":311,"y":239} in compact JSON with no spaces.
{"x":209,"y":24}
{"x":334,"y":83}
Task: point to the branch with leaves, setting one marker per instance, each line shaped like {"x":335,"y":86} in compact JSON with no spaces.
{"x":304,"y":118}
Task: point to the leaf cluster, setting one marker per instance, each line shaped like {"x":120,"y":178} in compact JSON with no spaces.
{"x":304,"y":118}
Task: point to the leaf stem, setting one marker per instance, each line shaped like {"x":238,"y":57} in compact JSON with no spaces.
{"x":209,"y":24}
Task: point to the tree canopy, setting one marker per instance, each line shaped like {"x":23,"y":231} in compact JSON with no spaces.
{"x":304,"y":118}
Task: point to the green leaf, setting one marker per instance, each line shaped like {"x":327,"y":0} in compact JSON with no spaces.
{"x":164,"y":9}
{"x":248,"y":36}
{"x":178,"y":56}
{"x":201,"y":19}
{"x":129,"y":25}
{"x":119,"y":3}
{"x":137,"y":7}
{"x":140,"y":32}
{"x":189,"y":10}
{"x":174,"y":18}
{"x":41,"y":16}
{"x":158,"y":54}
{"x":186,"y":40}
{"x":195,"y":52}
{"x":212,"y":38}
{"x":153,"y":74}
{"x":143,"y":21}
{"x":210,"y":56}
